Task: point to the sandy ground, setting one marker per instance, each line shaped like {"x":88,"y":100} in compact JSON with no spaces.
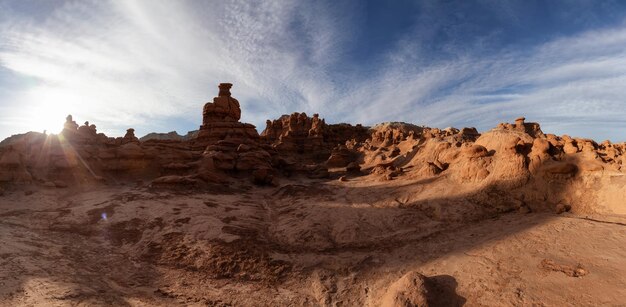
{"x":306,"y":242}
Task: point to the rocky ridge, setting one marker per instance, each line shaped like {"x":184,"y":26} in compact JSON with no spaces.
{"x":172,"y":135}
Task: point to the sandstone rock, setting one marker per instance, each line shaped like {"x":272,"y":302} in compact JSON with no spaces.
{"x":310,"y":137}
{"x":60,"y":184}
{"x":561,"y":207}
{"x":507,"y":167}
{"x":353,"y":167}
{"x":429,"y":170}
{"x":222,"y":160}
{"x":177,"y":166}
{"x":243,"y":148}
{"x":70,"y":125}
{"x":474,"y":151}
{"x":295,"y":133}
{"x":511,"y":159}
{"x":341,"y":156}
{"x":106,"y":154}
{"x":264,"y":176}
{"x":539,"y":154}
{"x":570,"y":146}
{"x":253,"y":160}
{"x":223,"y":108}
{"x":387,"y":134}
{"x":220,"y":121}
{"x":12,"y":167}
{"x":503,"y":141}
{"x":130,"y":151}
{"x":319,"y":172}
{"x":130,"y":137}
{"x":170,"y":136}
{"x":519,"y":123}
{"x":175,"y":181}
{"x":531,"y":129}
{"x":563,"y":168}
{"x":471,"y":172}
{"x":10,"y":159}
{"x":410,"y":290}
{"x":317,"y":126}
{"x":591,"y":166}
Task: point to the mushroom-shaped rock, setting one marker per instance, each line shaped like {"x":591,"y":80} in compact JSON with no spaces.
{"x":130,"y":137}
{"x":519,"y":123}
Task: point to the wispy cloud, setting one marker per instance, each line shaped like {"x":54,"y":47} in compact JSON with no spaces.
{"x":152,"y":64}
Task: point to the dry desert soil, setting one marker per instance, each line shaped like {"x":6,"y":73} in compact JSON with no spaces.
{"x":303,"y":243}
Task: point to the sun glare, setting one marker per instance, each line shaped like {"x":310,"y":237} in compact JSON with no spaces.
{"x":49,"y":113}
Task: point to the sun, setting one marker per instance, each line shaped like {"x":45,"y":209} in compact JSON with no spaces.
{"x":49,"y":119}
{"x":49,"y":109}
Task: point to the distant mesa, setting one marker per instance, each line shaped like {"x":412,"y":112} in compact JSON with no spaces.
{"x":172,"y":135}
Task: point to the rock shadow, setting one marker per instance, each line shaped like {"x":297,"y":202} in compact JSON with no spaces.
{"x":442,"y":291}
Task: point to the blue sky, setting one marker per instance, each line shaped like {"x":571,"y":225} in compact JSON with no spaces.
{"x":152,"y":64}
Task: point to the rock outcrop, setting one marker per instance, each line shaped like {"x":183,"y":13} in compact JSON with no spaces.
{"x":220,"y":121}
{"x":295,"y":133}
{"x":298,"y":133}
{"x":517,"y":163}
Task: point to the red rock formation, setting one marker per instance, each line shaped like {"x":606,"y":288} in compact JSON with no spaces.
{"x":229,"y":145}
{"x":299,"y":133}
{"x":130,"y":136}
{"x":308,"y":144}
{"x":295,"y":133}
{"x":12,"y":167}
{"x":220,"y":121}
{"x":511,"y":159}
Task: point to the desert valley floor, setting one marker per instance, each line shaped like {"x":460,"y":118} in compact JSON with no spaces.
{"x":307,"y":242}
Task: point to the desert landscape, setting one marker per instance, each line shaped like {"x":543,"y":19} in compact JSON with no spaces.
{"x":309,"y":213}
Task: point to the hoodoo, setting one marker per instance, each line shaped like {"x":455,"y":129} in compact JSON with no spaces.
{"x":220,"y":121}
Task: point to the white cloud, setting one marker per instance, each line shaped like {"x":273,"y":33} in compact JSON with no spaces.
{"x":144,"y":64}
